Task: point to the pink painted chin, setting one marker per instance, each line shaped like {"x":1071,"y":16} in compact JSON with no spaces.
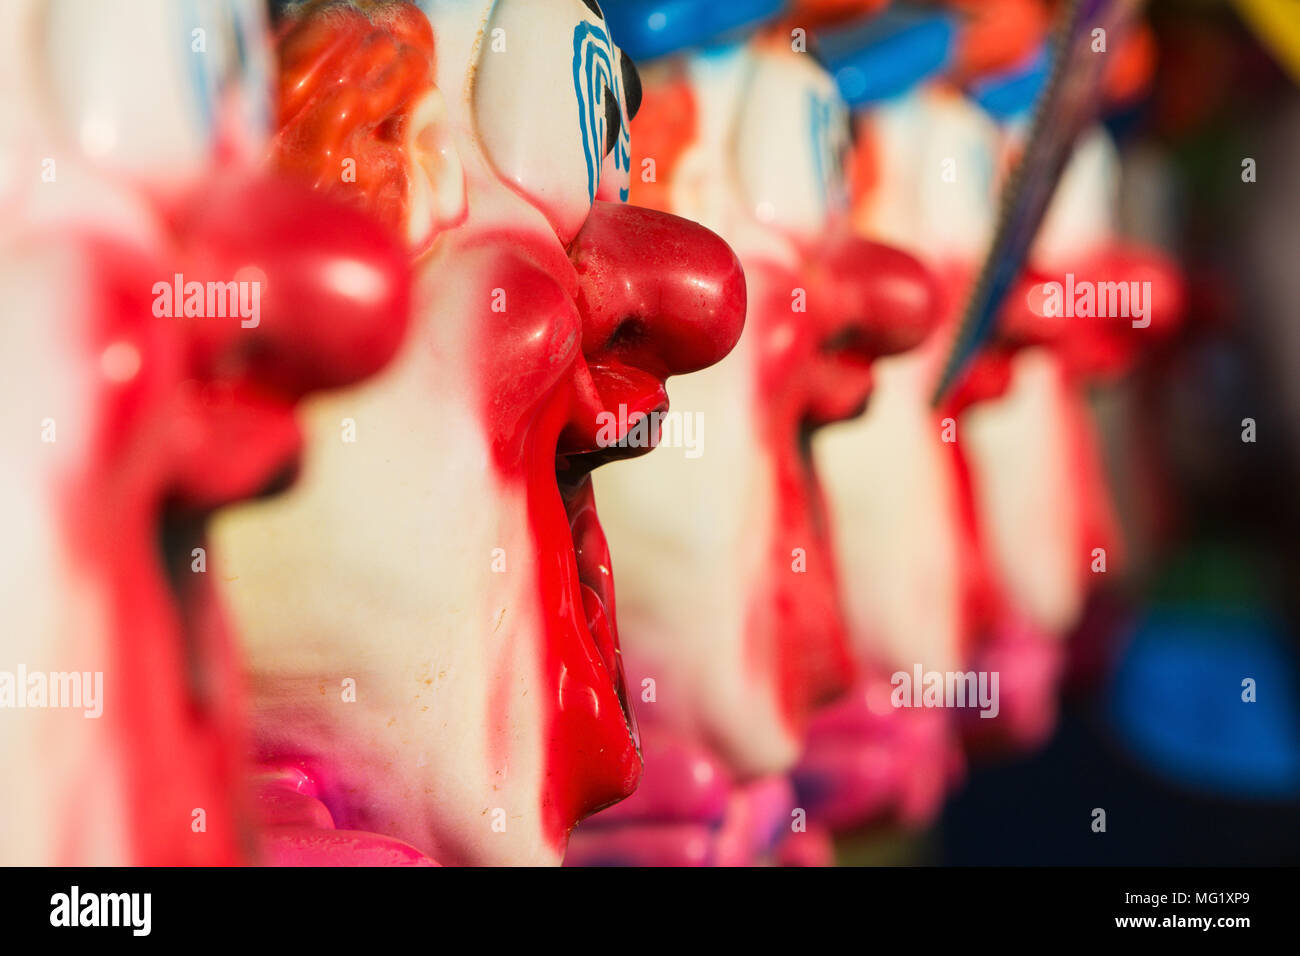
{"x":686,"y":812}
{"x":297,"y":829}
{"x":1029,"y":664}
{"x":812,"y":848}
{"x":869,"y":764}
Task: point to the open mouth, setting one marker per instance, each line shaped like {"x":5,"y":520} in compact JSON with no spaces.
{"x":252,"y":448}
{"x":595,"y":575}
{"x":845,"y":378}
{"x":580,"y":452}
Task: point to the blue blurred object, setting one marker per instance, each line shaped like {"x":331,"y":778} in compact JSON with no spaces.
{"x":1176,"y":700}
{"x":646,"y":29}
{"x":1013,"y":92}
{"x":888,"y":54}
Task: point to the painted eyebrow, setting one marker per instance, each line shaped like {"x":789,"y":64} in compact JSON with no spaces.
{"x":594,"y":7}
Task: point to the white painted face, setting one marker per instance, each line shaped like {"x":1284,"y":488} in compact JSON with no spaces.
{"x":936,"y":158}
{"x":94,"y":108}
{"x":790,"y":170}
{"x":199,"y":75}
{"x":692,"y":533}
{"x":1082,"y":216}
{"x":57,"y":618}
{"x":705,"y":536}
{"x":438,"y":556}
{"x":1019,"y":448}
{"x":892,"y":490}
{"x":889,"y":477}
{"x":1022,"y":446}
{"x":765,"y":167}
{"x":564,"y":140}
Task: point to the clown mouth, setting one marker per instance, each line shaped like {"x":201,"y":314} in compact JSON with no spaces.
{"x":595,"y":575}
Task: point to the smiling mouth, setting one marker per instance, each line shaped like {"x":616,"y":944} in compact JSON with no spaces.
{"x":595,"y":576}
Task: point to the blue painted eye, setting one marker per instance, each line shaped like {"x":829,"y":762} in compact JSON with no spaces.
{"x":829,"y":139}
{"x":598,"y":84}
{"x":235,"y":57}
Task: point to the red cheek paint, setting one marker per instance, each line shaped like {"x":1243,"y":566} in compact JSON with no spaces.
{"x":205,"y":419}
{"x":642,"y":296}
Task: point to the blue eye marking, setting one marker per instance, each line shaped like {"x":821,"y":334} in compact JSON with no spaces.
{"x":825,"y":129}
{"x":232,"y":58}
{"x":593,"y":73}
{"x":202,"y":83}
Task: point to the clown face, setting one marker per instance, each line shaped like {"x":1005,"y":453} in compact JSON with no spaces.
{"x":731,"y":611}
{"x":429,"y":616}
{"x":922,"y":172}
{"x":923,"y":175}
{"x":1050,"y":527}
{"x":126,"y":424}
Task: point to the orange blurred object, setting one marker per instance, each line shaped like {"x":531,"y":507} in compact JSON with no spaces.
{"x":997,"y":34}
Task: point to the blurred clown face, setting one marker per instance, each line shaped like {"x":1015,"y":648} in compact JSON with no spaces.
{"x":890,"y":476}
{"x":975,"y":552}
{"x":126,"y":425}
{"x":921,"y":174}
{"x":1049,"y":529}
{"x":731,"y":610}
{"x":429,"y":617}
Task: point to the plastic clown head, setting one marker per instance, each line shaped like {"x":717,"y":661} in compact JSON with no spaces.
{"x":429,"y":616}
{"x":952,"y":570}
{"x":922,"y":177}
{"x":1051,"y":534}
{"x":731,"y":609}
{"x":126,"y":169}
{"x":965,"y":552}
{"x":1060,"y":484}
{"x":919,"y":177}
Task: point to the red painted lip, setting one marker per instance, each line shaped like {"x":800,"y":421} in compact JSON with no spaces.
{"x":654,"y":296}
{"x":595,"y":581}
{"x":244,"y":442}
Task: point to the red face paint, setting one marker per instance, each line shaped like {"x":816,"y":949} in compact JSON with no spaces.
{"x":206,"y":418}
{"x":642,"y":296}
{"x":863,"y":301}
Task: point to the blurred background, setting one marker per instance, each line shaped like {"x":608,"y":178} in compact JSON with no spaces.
{"x":1150,"y":729}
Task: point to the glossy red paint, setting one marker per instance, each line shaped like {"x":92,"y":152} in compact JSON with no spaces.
{"x":642,"y":296}
{"x":1098,"y":350}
